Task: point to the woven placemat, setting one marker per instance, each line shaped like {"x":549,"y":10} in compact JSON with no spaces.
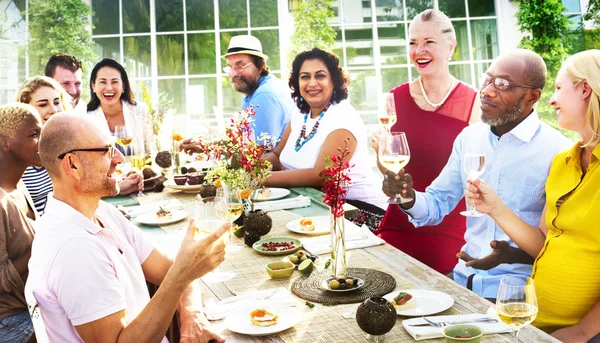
{"x":376,"y":284}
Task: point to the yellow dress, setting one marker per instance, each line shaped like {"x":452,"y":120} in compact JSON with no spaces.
{"x":567,"y":270}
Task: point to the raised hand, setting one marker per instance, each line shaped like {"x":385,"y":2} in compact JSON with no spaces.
{"x":502,"y":252}
{"x":482,"y":196}
{"x":374,"y":139}
{"x":189,"y":146}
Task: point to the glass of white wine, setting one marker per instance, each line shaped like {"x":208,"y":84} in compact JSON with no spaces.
{"x":394,"y":155}
{"x":123,"y":135}
{"x":387,"y":113}
{"x":516,"y":303}
{"x":473,"y":164}
{"x":229,"y":207}
{"x":138,"y":159}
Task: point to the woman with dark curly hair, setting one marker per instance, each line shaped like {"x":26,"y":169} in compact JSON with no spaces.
{"x":324,"y":119}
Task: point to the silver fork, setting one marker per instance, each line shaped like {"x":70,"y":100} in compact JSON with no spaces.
{"x":444,"y":324}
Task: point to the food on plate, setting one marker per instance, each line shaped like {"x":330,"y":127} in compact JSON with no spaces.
{"x":180,"y":180}
{"x":404,"y":301}
{"x":334,"y":284}
{"x":262,"y":317}
{"x":264,"y":192}
{"x":300,"y":257}
{"x":148,"y":173}
{"x":163,"y":213}
{"x":193,"y":180}
{"x":277,"y":246}
{"x":164,"y":159}
{"x":201,"y":157}
{"x":341,"y":283}
{"x":306,"y":224}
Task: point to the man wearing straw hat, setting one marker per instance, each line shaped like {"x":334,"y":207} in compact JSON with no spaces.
{"x":249,"y":74}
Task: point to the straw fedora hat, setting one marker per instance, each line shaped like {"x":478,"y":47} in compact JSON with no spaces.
{"x":248,"y":45}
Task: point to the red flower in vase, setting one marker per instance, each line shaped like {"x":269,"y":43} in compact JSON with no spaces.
{"x":337,"y":180}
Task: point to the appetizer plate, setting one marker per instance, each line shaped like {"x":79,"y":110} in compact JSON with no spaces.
{"x":239,"y":322}
{"x":150,"y":218}
{"x":262,"y":250}
{"x":193,"y":189}
{"x":428,"y":302}
{"x":321,"y":223}
{"x":276,"y":193}
{"x":325,"y":284}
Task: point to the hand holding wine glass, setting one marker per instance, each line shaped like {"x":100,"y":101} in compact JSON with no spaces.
{"x":473,"y":164}
{"x":394,"y":155}
{"x":387,"y":114}
{"x":229,"y":207}
{"x":516,"y":303}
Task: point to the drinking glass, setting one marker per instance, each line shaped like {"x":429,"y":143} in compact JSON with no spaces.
{"x":138,"y":159}
{"x":123,"y":135}
{"x":516,"y":303}
{"x":474,"y":165}
{"x":387,"y":113}
{"x":229,"y":207}
{"x":394,"y":155}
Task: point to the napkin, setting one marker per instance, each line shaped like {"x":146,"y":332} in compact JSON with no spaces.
{"x":427,"y":332}
{"x":356,"y":237}
{"x":221,"y":309}
{"x":134,"y":211}
{"x":283,"y":204}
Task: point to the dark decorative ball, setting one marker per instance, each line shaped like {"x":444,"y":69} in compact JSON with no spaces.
{"x":258,"y":221}
{"x":148,"y":173}
{"x":191,"y":170}
{"x":251,"y":238}
{"x":376,"y":316}
{"x":159,"y":188}
{"x":208,"y":191}
{"x":164,"y":159}
{"x":184,"y":170}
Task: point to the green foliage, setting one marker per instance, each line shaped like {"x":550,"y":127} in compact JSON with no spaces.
{"x":58,"y":26}
{"x":593,"y":12}
{"x":311,"y":29}
{"x":591,"y":39}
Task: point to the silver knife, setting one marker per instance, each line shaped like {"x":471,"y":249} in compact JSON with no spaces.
{"x":477,"y":320}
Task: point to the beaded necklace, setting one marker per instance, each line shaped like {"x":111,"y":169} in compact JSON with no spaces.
{"x":431,"y":103}
{"x":303,"y":138}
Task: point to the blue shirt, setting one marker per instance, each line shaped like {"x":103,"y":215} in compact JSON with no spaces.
{"x":517,"y":165}
{"x":273,"y":105}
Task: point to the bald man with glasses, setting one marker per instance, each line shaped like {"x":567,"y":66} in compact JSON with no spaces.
{"x":518,"y":150}
{"x":89,"y":265}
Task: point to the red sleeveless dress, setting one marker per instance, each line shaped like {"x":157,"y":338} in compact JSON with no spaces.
{"x":430,"y":137}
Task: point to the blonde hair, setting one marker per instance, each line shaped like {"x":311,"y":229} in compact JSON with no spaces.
{"x":31,"y":85}
{"x":438,"y":17}
{"x":12,"y":116}
{"x":585,"y":67}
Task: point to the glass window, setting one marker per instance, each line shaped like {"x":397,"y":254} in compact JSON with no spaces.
{"x":12,"y":65}
{"x":389,"y":10}
{"x":232,"y":100}
{"x":363,"y":90}
{"x":200,"y":14}
{"x":453,"y":8}
{"x":136,"y":16}
{"x":263,"y":13}
{"x":485,"y":39}
{"x":105,"y":18}
{"x":461,"y":72}
{"x":136,"y":51}
{"x":108,"y":47}
{"x":226,"y":37}
{"x":338,"y":49}
{"x":393,"y":77}
{"x":201,"y":53}
{"x":232,"y":14}
{"x":392,"y":44}
{"x":480,"y":68}
{"x":572,"y":5}
{"x":8,"y":95}
{"x":335,"y":7}
{"x":355,"y":13}
{"x":482,"y":8}
{"x":169,"y":15}
{"x":169,"y":51}
{"x":137,"y":89}
{"x":414,"y":7}
{"x":461,"y":52}
{"x":202,"y":98}
{"x":359,"y":46}
{"x":12,"y":21}
{"x":176,"y":90}
{"x":270,"y":44}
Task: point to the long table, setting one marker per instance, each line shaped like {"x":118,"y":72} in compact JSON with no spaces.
{"x":326,"y":323}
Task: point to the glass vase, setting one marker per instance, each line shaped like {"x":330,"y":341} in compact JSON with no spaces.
{"x":338,"y":246}
{"x":176,"y":160}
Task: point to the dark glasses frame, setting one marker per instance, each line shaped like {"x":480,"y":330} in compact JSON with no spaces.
{"x":486,"y":79}
{"x":109,"y":148}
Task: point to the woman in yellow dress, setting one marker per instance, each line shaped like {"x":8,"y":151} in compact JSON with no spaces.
{"x":567,"y":243}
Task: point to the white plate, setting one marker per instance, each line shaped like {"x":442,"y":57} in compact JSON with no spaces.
{"x":276,"y":193}
{"x":428,"y":302}
{"x":184,"y":188}
{"x":321,"y":223}
{"x":150,"y":218}
{"x":240,"y":321}
{"x":199,"y":165}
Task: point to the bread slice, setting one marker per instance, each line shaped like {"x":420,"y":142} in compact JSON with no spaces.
{"x":262,"y":317}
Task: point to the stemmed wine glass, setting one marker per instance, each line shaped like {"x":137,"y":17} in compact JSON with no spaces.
{"x":516,"y":303}
{"x":394,"y":155}
{"x":387,"y":114}
{"x":138,"y":159}
{"x":474,"y":165}
{"x":124,"y":137}
{"x":229,"y":207}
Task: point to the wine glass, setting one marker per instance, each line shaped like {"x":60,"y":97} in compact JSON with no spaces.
{"x":474,"y":165}
{"x":229,"y":207}
{"x":394,"y":155}
{"x":387,"y":113}
{"x":138,"y":159}
{"x":516,"y":303}
{"x":123,"y":135}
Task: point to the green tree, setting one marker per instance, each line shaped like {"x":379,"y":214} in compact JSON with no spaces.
{"x":58,"y":26}
{"x":311,"y":28}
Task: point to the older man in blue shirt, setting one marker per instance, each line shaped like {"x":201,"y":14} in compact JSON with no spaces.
{"x":249,"y":74}
{"x":518,"y":151}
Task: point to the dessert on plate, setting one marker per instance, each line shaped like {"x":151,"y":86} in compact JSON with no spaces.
{"x":163,"y":213}
{"x":404,"y":301}
{"x":306,"y":224}
{"x":262,"y":317}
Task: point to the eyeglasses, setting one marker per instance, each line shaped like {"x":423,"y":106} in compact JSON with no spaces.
{"x":238,"y":68}
{"x":500,"y":83}
{"x":110,"y":148}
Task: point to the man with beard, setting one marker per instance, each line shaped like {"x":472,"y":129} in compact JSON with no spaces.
{"x":68,"y":71}
{"x":518,"y":151}
{"x":249,"y":74}
{"x":89,"y":265}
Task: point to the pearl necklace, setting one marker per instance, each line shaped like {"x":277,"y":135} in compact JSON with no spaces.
{"x":431,"y":103}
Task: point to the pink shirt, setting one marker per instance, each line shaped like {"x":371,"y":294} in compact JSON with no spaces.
{"x":80,"y":272}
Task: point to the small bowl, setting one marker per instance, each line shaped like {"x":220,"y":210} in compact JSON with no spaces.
{"x":180,"y":180}
{"x":463,"y":333}
{"x":280,"y":270}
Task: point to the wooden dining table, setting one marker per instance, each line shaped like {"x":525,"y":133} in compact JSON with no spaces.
{"x":322,"y":323}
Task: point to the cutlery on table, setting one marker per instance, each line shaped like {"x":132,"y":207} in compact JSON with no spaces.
{"x":446,"y":323}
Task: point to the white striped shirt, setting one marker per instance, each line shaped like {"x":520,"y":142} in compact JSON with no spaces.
{"x":38,"y":185}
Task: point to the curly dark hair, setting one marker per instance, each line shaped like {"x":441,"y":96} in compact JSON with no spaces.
{"x":338,"y":77}
{"x":127,"y":92}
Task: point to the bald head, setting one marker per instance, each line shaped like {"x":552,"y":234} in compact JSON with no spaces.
{"x":535,"y":67}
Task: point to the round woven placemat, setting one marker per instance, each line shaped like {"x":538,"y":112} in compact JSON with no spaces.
{"x":376,"y":284}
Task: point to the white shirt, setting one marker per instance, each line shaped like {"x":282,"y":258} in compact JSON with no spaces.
{"x":80,"y":272}
{"x":366,"y":186}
